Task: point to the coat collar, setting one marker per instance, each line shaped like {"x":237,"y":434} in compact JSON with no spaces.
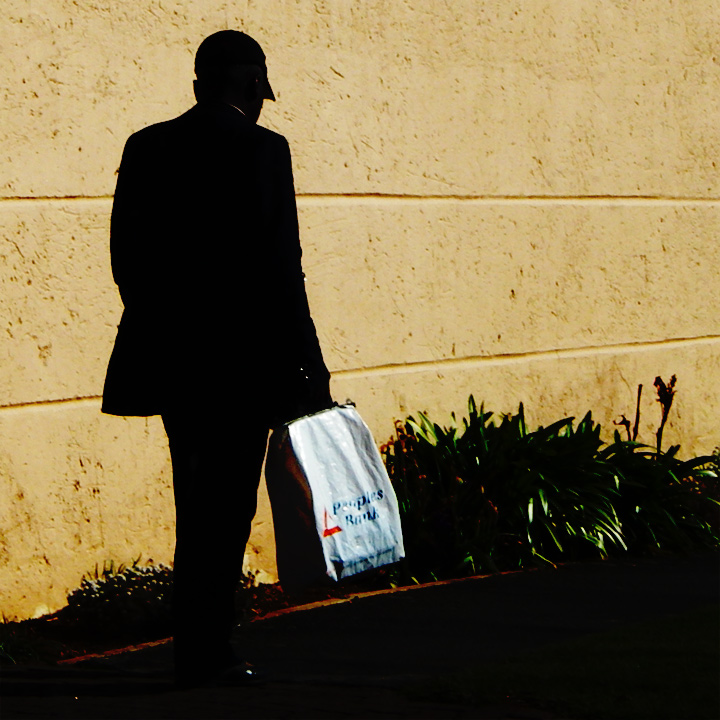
{"x":220,"y":111}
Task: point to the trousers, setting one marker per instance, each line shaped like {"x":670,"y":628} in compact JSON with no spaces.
{"x":217,"y":456}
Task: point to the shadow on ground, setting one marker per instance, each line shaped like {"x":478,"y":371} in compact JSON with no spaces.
{"x":357,"y":658}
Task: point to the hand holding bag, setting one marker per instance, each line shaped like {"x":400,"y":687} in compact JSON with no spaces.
{"x":334,"y":510}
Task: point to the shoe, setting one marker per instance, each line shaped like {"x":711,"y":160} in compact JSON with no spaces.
{"x":242,"y":674}
{"x":237,"y":674}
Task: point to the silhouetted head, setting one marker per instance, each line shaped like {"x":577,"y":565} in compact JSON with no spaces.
{"x":230,"y":67}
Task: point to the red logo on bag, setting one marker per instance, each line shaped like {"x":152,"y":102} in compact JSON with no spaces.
{"x":330,"y":530}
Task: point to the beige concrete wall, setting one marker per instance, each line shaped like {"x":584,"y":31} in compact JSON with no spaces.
{"x":514,"y":199}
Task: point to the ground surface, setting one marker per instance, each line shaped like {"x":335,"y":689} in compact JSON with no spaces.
{"x":367,"y":657}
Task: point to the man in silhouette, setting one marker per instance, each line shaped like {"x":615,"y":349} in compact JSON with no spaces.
{"x":216,"y":334}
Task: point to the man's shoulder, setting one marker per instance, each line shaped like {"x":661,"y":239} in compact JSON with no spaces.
{"x":271,"y":136}
{"x":191,"y":131}
{"x":196,"y":119}
{"x":151,"y":134}
{"x":271,"y":139}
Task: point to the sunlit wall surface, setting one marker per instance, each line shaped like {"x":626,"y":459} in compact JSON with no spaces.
{"x":513,"y":199}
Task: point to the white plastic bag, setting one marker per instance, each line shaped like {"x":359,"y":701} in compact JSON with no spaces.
{"x":334,"y":509}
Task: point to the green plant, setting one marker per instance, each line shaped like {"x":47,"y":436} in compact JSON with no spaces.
{"x":21,"y":642}
{"x":122,"y":596}
{"x":499,"y":496}
{"x":713,"y":463}
{"x":665,"y":503}
{"x":439,"y":498}
{"x":492,"y":496}
{"x":665,"y":395}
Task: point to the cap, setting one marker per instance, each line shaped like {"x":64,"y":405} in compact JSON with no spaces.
{"x":230,"y":47}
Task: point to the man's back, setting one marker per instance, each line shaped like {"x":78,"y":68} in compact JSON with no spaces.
{"x":206,"y":254}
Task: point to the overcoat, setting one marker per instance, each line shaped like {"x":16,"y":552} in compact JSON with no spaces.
{"x":206,"y":255}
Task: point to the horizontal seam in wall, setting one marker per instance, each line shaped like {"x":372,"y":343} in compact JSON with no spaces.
{"x":520,"y":358}
{"x":330,"y":199}
{"x":333,"y":198}
{"x":57,"y":198}
{"x":86,"y":400}
{"x":448,"y":363}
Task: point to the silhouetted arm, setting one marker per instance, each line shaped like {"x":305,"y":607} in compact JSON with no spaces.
{"x":302,"y":329}
{"x":132,"y":253}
